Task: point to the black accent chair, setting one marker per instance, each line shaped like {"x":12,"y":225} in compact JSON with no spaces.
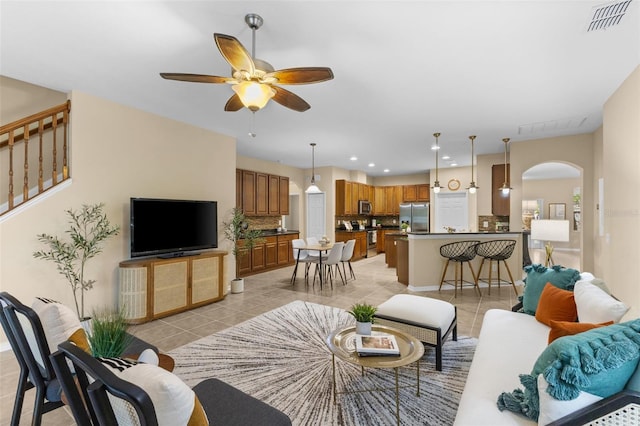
{"x":459,"y":252}
{"x":21,"y":324}
{"x":224,"y":404}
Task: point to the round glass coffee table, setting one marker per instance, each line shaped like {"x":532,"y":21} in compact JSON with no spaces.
{"x":341,"y":343}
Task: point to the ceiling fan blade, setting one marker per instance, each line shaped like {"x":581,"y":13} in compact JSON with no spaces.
{"x":195,"y":78}
{"x":234,"y":103}
{"x":235,"y":53}
{"x":290,"y":100}
{"x":303,"y":75}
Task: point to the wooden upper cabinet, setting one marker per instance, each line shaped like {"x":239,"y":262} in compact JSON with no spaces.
{"x":341,"y":188}
{"x":355,"y":196}
{"x":397,"y":192}
{"x":262,"y":191}
{"x":274,"y":195}
{"x":239,"y":188}
{"x":409,"y":193}
{"x":249,"y":192}
{"x":348,"y":198}
{"x":284,"y":195}
{"x":500,"y":204}
{"x":379,"y":200}
{"x":390,"y":199}
{"x":363,"y":192}
{"x":423,"y":191}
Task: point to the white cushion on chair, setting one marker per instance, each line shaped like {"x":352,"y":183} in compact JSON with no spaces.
{"x":420,"y":310}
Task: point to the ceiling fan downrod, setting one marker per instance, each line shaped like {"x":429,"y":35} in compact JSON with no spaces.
{"x":254,"y":21}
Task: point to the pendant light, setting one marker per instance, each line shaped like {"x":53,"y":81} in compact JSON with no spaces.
{"x":472,"y":186}
{"x":505,"y":189}
{"x":436,"y":148}
{"x":313,"y":188}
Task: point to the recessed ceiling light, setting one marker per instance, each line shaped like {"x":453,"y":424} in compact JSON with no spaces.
{"x":372,"y":165}
{"x":445,"y":157}
{"x":353,"y":158}
{"x":435,"y":147}
{"x":386,"y":170}
{"x":453,"y":164}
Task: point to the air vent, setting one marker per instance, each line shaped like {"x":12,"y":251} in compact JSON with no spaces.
{"x":607,"y":15}
{"x":553,"y":125}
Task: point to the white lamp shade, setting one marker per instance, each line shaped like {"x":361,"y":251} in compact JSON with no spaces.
{"x":253,"y":95}
{"x":312,"y":189}
{"x":550,"y":230}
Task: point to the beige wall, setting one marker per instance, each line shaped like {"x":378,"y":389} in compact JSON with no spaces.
{"x":117,"y":153}
{"x":621,"y":157}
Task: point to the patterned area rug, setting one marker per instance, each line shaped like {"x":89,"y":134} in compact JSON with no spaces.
{"x":281,"y":358}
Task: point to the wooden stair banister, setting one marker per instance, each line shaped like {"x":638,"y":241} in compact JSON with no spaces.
{"x":41,"y":124}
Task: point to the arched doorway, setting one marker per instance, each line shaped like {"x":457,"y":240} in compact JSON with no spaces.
{"x":553,"y":190}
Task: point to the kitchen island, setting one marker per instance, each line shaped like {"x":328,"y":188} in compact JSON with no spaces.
{"x":426,"y":264}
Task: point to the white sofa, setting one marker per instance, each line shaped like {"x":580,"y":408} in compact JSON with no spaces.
{"x":509,"y":345}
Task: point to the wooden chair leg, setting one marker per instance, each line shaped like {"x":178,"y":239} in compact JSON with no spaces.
{"x":513,"y":284}
{"x":444,"y":273}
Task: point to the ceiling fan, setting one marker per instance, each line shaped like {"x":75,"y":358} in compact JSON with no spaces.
{"x":254,"y":81}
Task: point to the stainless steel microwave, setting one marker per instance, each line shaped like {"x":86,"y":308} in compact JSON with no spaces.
{"x":364,"y":207}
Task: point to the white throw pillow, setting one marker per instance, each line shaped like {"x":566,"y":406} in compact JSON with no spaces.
{"x":59,"y":322}
{"x":552,"y":409}
{"x":174,"y":402}
{"x":595,"y":305}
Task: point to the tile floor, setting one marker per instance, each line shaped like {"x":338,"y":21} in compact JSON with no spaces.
{"x":263,"y":292}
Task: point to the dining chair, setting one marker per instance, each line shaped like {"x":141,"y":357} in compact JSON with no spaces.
{"x":26,"y":336}
{"x":347,"y":254}
{"x":301,"y":256}
{"x":332,"y":260}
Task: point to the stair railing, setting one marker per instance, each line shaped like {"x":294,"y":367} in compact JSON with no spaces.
{"x":48,"y":127}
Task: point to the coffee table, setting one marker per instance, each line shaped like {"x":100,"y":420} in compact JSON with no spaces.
{"x":341,"y":343}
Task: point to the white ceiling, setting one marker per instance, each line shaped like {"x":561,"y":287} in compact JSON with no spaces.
{"x":403,"y":70}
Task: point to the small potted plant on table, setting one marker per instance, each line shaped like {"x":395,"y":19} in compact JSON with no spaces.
{"x":363,"y":313}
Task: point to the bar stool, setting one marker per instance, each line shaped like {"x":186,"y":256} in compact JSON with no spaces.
{"x":499,"y":251}
{"x":459,"y":252}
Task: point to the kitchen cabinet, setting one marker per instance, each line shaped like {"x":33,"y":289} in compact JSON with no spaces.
{"x":379,"y":201}
{"x":390,"y":249}
{"x":423,"y":192}
{"x":248,"y":193}
{"x":381,"y":237}
{"x":402,"y":260}
{"x":500,"y":204}
{"x":152,"y":288}
{"x":284,"y":195}
{"x":275,"y":251}
{"x":393,"y":198}
{"x":274,"y":195}
{"x":409,"y":193}
{"x":360,"y":248}
{"x":262,"y":194}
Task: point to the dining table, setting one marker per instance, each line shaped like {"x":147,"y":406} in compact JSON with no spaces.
{"x":321,"y":249}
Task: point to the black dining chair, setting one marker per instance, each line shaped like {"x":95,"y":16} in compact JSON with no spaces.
{"x":26,"y":336}
{"x":459,"y":252}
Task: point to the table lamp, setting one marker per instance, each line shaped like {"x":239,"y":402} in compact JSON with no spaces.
{"x":549,"y":230}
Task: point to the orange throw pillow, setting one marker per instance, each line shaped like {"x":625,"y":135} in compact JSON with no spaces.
{"x":566,"y":328}
{"x":556,"y":304}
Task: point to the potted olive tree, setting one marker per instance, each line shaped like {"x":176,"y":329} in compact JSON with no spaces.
{"x":236,"y":230}
{"x":363,"y":313}
{"x":88,"y":229}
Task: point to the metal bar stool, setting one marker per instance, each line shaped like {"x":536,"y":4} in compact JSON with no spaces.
{"x":459,"y":252}
{"x":498,"y":251}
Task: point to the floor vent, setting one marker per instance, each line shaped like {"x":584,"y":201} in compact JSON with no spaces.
{"x":607,"y":15}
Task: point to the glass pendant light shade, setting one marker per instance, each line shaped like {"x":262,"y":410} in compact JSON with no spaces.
{"x":436,"y":183}
{"x":313,"y":188}
{"x":472,"y":186}
{"x":254,"y":95}
{"x":505,"y":189}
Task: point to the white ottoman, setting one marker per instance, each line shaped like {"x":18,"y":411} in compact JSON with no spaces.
{"x":429,"y":320}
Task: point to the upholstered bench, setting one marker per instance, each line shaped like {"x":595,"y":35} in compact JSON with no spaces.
{"x":429,"y":320}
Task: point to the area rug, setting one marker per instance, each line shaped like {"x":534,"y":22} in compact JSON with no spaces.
{"x":281,"y":358}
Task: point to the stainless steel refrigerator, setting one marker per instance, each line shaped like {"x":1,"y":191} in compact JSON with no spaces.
{"x":416,"y":214}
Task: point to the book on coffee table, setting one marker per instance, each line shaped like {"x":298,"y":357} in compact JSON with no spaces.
{"x":378,"y":345}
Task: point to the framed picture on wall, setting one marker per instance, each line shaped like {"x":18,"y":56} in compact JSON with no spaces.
{"x":557,"y":211}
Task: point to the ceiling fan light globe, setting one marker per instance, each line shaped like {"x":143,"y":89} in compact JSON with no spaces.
{"x":253,"y":95}
{"x":313,"y":189}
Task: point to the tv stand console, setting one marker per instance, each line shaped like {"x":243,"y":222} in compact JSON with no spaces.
{"x":152,"y":288}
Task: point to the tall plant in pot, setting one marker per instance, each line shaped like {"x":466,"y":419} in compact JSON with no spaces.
{"x":236,"y":230}
{"x":88,"y":229}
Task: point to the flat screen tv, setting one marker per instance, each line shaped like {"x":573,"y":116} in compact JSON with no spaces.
{"x":168,"y":228}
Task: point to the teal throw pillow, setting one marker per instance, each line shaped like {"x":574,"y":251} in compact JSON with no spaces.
{"x":538,"y":276}
{"x":599,"y":361}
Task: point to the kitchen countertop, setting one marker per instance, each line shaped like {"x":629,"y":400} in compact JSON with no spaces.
{"x":274,"y":232}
